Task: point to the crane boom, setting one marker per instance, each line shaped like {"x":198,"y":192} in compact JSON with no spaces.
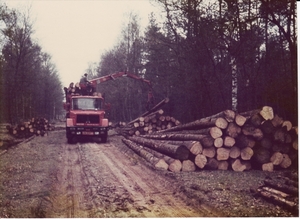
{"x":113,"y":76}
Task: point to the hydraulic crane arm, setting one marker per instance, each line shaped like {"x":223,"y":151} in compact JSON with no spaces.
{"x":113,"y":76}
{"x":150,"y":99}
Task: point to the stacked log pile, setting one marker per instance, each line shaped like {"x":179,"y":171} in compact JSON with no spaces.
{"x":149,"y":122}
{"x":35,"y":126}
{"x":258,"y":139}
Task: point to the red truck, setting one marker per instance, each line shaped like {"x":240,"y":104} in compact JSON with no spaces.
{"x":86,"y":108}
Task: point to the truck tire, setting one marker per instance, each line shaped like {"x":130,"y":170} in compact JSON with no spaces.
{"x":104,"y":138}
{"x":69,"y":140}
{"x":72,"y":140}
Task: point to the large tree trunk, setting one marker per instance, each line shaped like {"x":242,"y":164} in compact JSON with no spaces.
{"x":180,"y":152}
{"x":156,"y":162}
{"x":205,"y":140}
{"x":200,"y":124}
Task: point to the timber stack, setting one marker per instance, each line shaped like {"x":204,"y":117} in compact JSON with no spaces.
{"x":149,"y":122}
{"x":35,"y":126}
{"x":257,"y":139}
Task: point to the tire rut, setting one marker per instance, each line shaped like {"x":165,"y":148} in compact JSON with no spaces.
{"x":98,"y":180}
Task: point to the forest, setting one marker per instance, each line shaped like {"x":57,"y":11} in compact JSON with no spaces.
{"x":205,"y":56}
{"x":29,"y":82}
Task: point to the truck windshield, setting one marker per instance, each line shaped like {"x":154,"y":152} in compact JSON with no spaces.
{"x":86,"y":104}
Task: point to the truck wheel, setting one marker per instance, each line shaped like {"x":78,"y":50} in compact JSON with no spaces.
{"x":104,"y":138}
{"x":72,"y":140}
{"x":69,"y":140}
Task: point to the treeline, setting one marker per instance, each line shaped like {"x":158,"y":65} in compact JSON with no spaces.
{"x":207,"y":56}
{"x":29,"y":82}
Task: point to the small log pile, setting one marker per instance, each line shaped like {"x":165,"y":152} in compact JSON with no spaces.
{"x":257,"y":139}
{"x":283,"y":191}
{"x":35,"y":126}
{"x":149,"y":122}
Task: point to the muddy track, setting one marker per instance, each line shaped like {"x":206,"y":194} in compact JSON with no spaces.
{"x":98,"y":180}
{"x":46,"y":177}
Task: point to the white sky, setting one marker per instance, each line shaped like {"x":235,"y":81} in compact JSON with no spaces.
{"x":77,"y":32}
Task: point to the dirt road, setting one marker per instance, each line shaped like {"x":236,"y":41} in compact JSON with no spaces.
{"x":46,"y":177}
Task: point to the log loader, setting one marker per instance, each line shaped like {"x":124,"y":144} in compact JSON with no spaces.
{"x":86,"y":108}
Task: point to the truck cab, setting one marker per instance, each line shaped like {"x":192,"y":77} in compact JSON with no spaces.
{"x":86,"y":118}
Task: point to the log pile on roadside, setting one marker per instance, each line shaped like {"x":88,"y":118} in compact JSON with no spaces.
{"x":149,"y":122}
{"x":282,"y":192}
{"x":35,"y":126}
{"x":257,"y":139}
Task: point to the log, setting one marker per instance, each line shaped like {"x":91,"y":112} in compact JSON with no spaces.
{"x":153,"y":115}
{"x":295,"y":144}
{"x":229,"y":115}
{"x":156,"y":162}
{"x":246,"y":153}
{"x":287,"y":124}
{"x":261,"y":155}
{"x":277,"y":121}
{"x":243,"y":141}
{"x":205,"y":140}
{"x":277,"y":199}
{"x":282,"y":187}
{"x":267,"y":127}
{"x":267,"y":113}
{"x":229,"y":141}
{"x":279,"y":135}
{"x":195,"y":147}
{"x":175,"y":165}
{"x":240,"y":120}
{"x":156,"y":107}
{"x":188,"y":166}
{"x":180,"y":152}
{"x":286,"y":161}
{"x":209,"y":152}
{"x":268,"y":167}
{"x":212,"y":164}
{"x":200,"y":124}
{"x":223,"y":165}
{"x":276,"y":192}
{"x":235,"y":152}
{"x":256,"y":133}
{"x":238,"y":166}
{"x":266,"y":143}
{"x":214,"y":132}
{"x":256,"y":120}
{"x":276,"y":158}
{"x":253,"y":117}
{"x":223,"y":154}
{"x":218,"y":142}
{"x":200,"y":161}
{"x":233,"y":130}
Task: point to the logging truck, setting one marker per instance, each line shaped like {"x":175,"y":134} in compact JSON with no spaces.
{"x":86,"y":108}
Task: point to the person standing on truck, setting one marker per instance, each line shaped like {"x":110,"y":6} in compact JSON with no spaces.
{"x":84,"y":80}
{"x":85,"y":85}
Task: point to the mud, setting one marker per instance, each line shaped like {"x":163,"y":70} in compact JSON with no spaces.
{"x":46,"y":177}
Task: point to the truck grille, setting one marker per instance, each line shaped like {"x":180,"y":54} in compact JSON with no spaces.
{"x":94,"y":119}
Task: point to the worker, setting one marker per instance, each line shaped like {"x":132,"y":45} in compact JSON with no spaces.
{"x":71,"y":88}
{"x":84,"y":80}
{"x":86,"y":87}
